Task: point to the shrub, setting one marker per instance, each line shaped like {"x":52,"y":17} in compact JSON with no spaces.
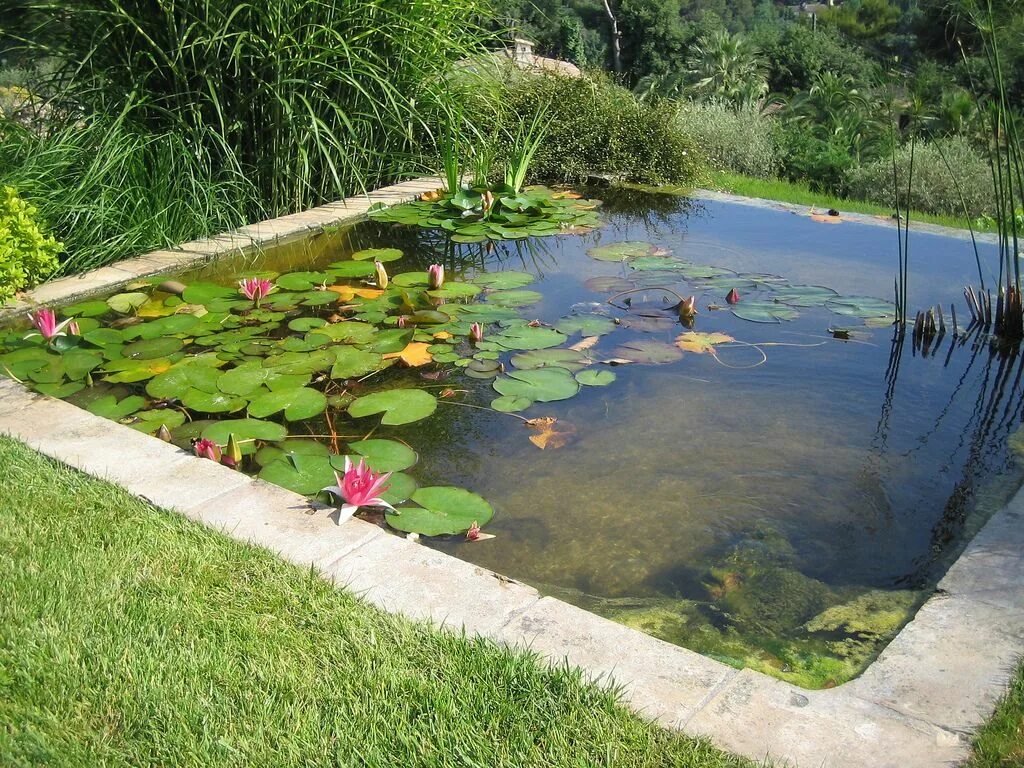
{"x":739,"y":140}
{"x":309,"y":99}
{"x":27,"y":256}
{"x":595,"y":127}
{"x":823,"y":163}
{"x":934,"y":188}
{"x":110,"y":190}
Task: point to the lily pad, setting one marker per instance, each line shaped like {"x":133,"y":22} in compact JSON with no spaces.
{"x":483,"y":369}
{"x":350,"y":362}
{"x":248,"y":378}
{"x":500,"y":281}
{"x":630,"y":249}
{"x":540,"y":385}
{"x":351,"y":268}
{"x":652,"y":352}
{"x":693,"y":341}
{"x":608,"y":284}
{"x":297,"y":403}
{"x":201,"y":372}
{"x":526,"y":337}
{"x":399,"y":406}
{"x":385,"y":455}
{"x":246,"y":432}
{"x":212,"y":402}
{"x":764,"y":311}
{"x":515,"y":298}
{"x":377,"y":254}
{"x":126,"y":303}
{"x":208,"y":293}
{"x":271,"y":453}
{"x":151,"y":421}
{"x":587,"y":324}
{"x":150,"y":349}
{"x":865,"y":307}
{"x":547,"y":358}
{"x":595,"y":378}
{"x":443,"y":510}
{"x":400,"y":487}
{"x":300,"y":472}
{"x":804,"y":295}
{"x":109,"y":407}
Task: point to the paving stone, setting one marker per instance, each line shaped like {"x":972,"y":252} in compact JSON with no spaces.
{"x":274,"y":229}
{"x":760,"y":717}
{"x":949,"y":665}
{"x":283,"y":522}
{"x":421,"y":583}
{"x":227,"y":243}
{"x":68,"y":288}
{"x":662,"y":681}
{"x":158,"y":261}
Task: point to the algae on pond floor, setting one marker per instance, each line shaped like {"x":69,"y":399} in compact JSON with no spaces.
{"x":755,"y":600}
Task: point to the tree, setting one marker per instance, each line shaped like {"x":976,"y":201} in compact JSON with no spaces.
{"x":726,"y":67}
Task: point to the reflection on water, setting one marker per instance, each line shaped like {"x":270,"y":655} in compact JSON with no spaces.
{"x":789,"y":515}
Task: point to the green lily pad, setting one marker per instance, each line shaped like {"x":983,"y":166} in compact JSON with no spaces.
{"x":377,"y":254}
{"x":104,"y":337}
{"x":350,"y":362}
{"x":455,"y":290}
{"x":133,"y":370}
{"x":587,"y":324}
{"x":297,"y":403}
{"x":650,"y":352}
{"x":443,"y":510}
{"x":629,"y":249}
{"x":511,"y":404}
{"x":408,"y":279}
{"x":60,"y":390}
{"x":569,"y":359}
{"x":248,"y":378}
{"x":299,"y":472}
{"x":79,"y":362}
{"x":300,"y":362}
{"x":151,"y":421}
{"x":109,"y":407}
{"x":302,"y":281}
{"x":346,"y":269}
{"x":515,"y":298}
{"x":482,"y":369}
{"x":540,"y":385}
{"x":499,"y":281}
{"x":764,"y":311}
{"x":400,"y":487}
{"x":526,"y":337}
{"x":384,"y":455}
{"x":200,"y":372}
{"x":168,"y":326}
{"x":864,"y":307}
{"x":127,"y":303}
{"x":391,"y":340}
{"x":246,"y":431}
{"x":804,"y":295}
{"x":595,"y":378}
{"x":208,"y":293}
{"x":151,"y":349}
{"x":211,"y":402}
{"x":86,"y":309}
{"x":399,"y":406}
{"x":303,"y":324}
{"x":271,"y":453}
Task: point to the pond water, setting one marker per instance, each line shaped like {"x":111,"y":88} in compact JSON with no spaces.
{"x":772,"y":496}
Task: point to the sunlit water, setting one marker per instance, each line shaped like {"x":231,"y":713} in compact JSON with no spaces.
{"x":822,"y":474}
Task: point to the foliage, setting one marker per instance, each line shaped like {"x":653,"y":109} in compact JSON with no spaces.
{"x":944,"y":169}
{"x":310,"y":100}
{"x":726,"y":67}
{"x":999,"y":743}
{"x":27,"y":255}
{"x":593,"y":127}
{"x":111,"y":190}
{"x":741,"y":140}
{"x":306,"y":674}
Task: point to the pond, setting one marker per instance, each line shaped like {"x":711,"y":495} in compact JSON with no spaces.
{"x":776,"y":482}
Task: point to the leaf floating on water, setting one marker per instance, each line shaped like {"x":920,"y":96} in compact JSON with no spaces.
{"x":511,"y":403}
{"x":399,"y":406}
{"x":629,"y":249}
{"x":692,"y":341}
{"x":443,"y":510}
{"x":764,"y":312}
{"x":586,"y":343}
{"x":650,"y":352}
{"x":542,"y":385}
{"x":595,"y":378}
{"x":414,"y":355}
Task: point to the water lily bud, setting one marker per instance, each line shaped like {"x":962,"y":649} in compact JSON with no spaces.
{"x":206,"y":449}
{"x":476,"y":332}
{"x":382,"y":275}
{"x":401,"y":321}
{"x":688,"y":307}
{"x":164,"y":433}
{"x":733,"y":297}
{"x":435,"y":273}
{"x":233,"y":451}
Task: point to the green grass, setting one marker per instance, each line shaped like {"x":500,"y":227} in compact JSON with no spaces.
{"x":801,"y":194}
{"x":1000,"y":742}
{"x":130,"y":636}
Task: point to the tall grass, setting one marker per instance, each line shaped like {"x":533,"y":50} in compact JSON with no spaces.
{"x":110,"y":191}
{"x":307,"y":99}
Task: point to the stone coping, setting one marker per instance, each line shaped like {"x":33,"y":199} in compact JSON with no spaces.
{"x":914,"y":707}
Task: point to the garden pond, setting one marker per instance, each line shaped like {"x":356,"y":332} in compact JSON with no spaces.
{"x":776,"y":481}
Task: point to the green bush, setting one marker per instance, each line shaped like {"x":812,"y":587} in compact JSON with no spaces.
{"x":110,"y":190}
{"x":595,"y":128}
{"x":738,"y":140}
{"x":27,"y":256}
{"x":934,"y":189}
{"x":824,"y":164}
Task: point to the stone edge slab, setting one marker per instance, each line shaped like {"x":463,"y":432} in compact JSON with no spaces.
{"x":915,"y":706}
{"x":197,"y":252}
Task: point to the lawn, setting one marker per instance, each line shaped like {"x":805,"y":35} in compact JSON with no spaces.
{"x":131,"y":636}
{"x":1000,"y":742}
{"x":801,"y":194}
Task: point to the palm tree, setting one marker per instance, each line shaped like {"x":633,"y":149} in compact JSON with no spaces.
{"x":726,"y":67}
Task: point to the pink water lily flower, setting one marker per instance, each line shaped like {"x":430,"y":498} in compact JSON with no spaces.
{"x":46,"y":325}
{"x":476,"y":332}
{"x":359,"y":487}
{"x":207,"y":449}
{"x":435,"y":275}
{"x":255,"y":288}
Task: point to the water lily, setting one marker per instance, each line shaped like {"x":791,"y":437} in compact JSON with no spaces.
{"x":255,"y":289}
{"x":73,"y":328}
{"x":688,"y":308}
{"x":382,"y":275}
{"x":401,"y":321}
{"x":476,"y":332}
{"x":206,"y":449}
{"x":435,"y":275}
{"x":733,"y":297}
{"x":46,"y":325}
{"x":359,"y":487}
